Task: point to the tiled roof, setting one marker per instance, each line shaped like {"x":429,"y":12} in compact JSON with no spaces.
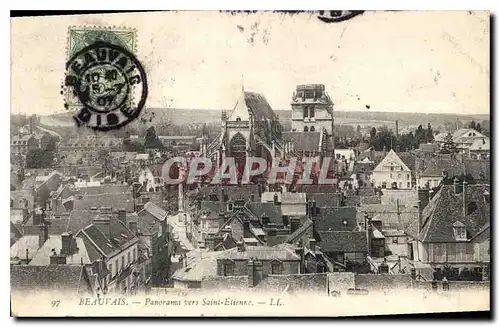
{"x":102,"y":189}
{"x":325,"y":199}
{"x":115,"y":200}
{"x":343,"y":241}
{"x":66,"y":278}
{"x":429,"y":147}
{"x":15,"y":234}
{"x":108,"y":240}
{"x":283,"y":252}
{"x":155,"y":210}
{"x":479,"y":169}
{"x":27,"y":242}
{"x":308,"y":224}
{"x":268,"y":209}
{"x":480,"y":144}
{"x":336,"y":219}
{"x":304,"y":141}
{"x":234,"y":192}
{"x":200,"y":264}
{"x":79,"y":255}
{"x":259,"y":106}
{"x":446,"y":208}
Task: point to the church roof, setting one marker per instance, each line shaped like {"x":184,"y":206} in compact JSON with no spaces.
{"x":252,"y":103}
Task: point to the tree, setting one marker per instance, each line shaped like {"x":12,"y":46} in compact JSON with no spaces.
{"x":429,"y":135}
{"x":449,"y":146}
{"x":152,"y":141}
{"x":38,"y":158}
{"x":420,"y":135}
{"x":472,"y":124}
{"x":130,"y":146}
{"x":373,"y":133}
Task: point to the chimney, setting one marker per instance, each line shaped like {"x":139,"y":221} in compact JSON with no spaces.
{"x":122,"y":216}
{"x":251,"y":272}
{"x":265,"y":220}
{"x":259,"y":272}
{"x":423,"y":197}
{"x":420,"y":215}
{"x":241,"y":246}
{"x":294,"y":224}
{"x":246,"y":229}
{"x":139,"y":207}
{"x":275,"y":199}
{"x":103,"y":224}
{"x":312,"y":244}
{"x":132,"y":225}
{"x":299,"y":250}
{"x":314,"y":209}
{"x":368,"y":227}
{"x":66,"y":240}
{"x":271,"y":237}
{"x":222,"y":219}
{"x":456,"y":186}
{"x":464,"y":197}
{"x":43,"y":234}
{"x":210,"y":243}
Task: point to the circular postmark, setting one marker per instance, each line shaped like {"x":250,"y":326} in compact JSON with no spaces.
{"x":109,"y":84}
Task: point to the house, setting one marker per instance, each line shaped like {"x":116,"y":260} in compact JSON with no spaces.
{"x":21,"y":144}
{"x":463,"y":138}
{"x":480,"y":149}
{"x":455,"y":229}
{"x":346,"y":249}
{"x":292,"y":204}
{"x":64,"y":249}
{"x":75,"y":280}
{"x":110,"y":240}
{"x":433,"y":171}
{"x":392,"y":172}
{"x":150,"y":181}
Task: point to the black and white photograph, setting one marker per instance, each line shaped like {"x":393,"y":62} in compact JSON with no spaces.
{"x":323,"y":163}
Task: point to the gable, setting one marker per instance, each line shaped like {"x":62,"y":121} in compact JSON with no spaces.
{"x":391,"y":160}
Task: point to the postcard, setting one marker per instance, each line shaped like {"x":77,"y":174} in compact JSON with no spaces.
{"x":329,"y":163}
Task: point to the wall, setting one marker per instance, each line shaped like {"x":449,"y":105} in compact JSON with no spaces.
{"x":226,"y":283}
{"x":340,"y":281}
{"x":433,"y":181}
{"x":455,"y":285}
{"x":403,"y":177}
{"x":405,"y":197}
{"x":382,"y":281}
{"x":294,"y":283}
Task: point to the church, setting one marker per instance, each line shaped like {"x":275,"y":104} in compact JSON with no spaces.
{"x":252,"y":129}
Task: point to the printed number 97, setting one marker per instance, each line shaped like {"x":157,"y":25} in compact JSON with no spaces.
{"x":55,"y":304}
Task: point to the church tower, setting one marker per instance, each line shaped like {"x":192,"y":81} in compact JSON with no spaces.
{"x":312,"y":109}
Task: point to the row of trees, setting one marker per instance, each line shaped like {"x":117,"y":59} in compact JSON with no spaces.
{"x":42,"y":157}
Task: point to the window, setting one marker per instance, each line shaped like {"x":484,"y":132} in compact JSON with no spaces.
{"x":304,"y":112}
{"x":238,"y":119}
{"x":395,"y":239}
{"x":306,"y":129}
{"x":312,"y":129}
{"x":407,"y":176}
{"x":390,"y":175}
{"x":399,"y":176}
{"x":392,"y":168}
{"x":276,"y":268}
{"x":110,"y":268}
{"x":128,"y":258}
{"x":228,"y":269}
{"x":384,"y":184}
{"x":408,"y":185}
{"x":123,"y":262}
{"x":311,"y":112}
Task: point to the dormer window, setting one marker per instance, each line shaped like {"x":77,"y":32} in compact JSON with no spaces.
{"x":238,"y":119}
{"x":276,"y":267}
{"x":459,"y":231}
{"x":486,"y":196}
{"x":229,"y":207}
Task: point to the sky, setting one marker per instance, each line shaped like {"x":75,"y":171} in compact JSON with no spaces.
{"x":406,"y":61}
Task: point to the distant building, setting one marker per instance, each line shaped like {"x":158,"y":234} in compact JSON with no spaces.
{"x":312,"y":109}
{"x":21,"y":144}
{"x":480,"y":149}
{"x":392,"y":172}
{"x":463,"y":138}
